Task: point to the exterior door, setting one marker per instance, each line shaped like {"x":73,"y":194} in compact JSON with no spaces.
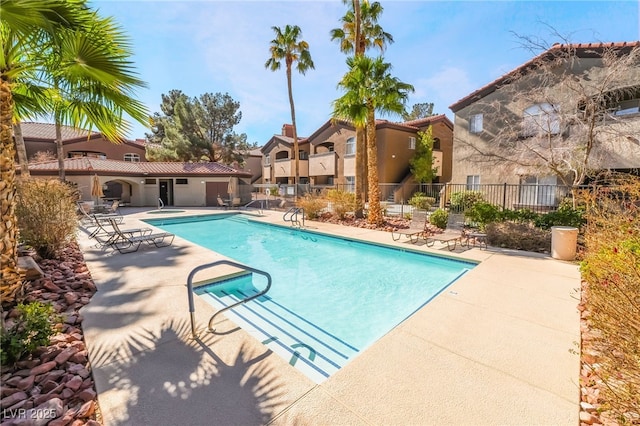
{"x":166,"y":191}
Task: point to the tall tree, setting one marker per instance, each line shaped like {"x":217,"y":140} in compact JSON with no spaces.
{"x":422,"y":162}
{"x":92,"y":81}
{"x":369,"y":87}
{"x":360,"y":31}
{"x":287,"y":47}
{"x":28,"y":21}
{"x":419,"y":110}
{"x":197,"y":129}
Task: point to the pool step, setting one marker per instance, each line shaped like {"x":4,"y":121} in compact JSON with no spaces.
{"x":315,"y":352}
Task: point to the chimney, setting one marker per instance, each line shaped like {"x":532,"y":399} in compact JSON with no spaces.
{"x":287,"y":130}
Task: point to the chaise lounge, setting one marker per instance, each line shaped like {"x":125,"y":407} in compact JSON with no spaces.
{"x":128,"y":243}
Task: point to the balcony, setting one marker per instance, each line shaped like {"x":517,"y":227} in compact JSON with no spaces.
{"x":323,"y":164}
{"x":287,"y":168}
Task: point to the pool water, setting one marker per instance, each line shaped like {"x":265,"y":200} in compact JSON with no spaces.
{"x":330,"y":298}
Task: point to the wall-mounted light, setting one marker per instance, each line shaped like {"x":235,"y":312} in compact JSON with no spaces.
{"x":393,"y":156}
{"x":202,"y":182}
{"x":141,"y":181}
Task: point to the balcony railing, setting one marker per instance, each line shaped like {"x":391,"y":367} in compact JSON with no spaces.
{"x":323,"y":164}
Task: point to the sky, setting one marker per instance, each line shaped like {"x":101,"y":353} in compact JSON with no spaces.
{"x":445,"y":49}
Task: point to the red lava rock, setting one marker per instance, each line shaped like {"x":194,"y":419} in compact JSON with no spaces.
{"x":65,"y":355}
{"x":88,"y":395}
{"x":26,"y":383}
{"x":43,"y":368}
{"x":12,"y":399}
{"x":87,"y":409}
{"x":74,"y":383}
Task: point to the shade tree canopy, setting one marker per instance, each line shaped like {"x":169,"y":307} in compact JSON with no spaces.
{"x":197,"y":129}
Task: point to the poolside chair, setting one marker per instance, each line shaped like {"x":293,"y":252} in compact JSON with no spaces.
{"x":419,"y":227}
{"x":222,"y":203}
{"x":236,"y":202}
{"x":127,"y":243}
{"x":106,"y":238}
{"x":89,"y":220}
{"x":450,"y":236}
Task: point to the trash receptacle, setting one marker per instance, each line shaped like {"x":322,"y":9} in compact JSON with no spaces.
{"x":564,"y":242}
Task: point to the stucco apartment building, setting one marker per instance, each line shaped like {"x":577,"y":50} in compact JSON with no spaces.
{"x":545,"y":107}
{"x":327,"y":156}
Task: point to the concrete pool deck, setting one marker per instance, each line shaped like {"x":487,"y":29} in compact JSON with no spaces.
{"x":497,"y":347}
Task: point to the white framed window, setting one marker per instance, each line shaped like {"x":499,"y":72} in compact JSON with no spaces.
{"x":540,"y":119}
{"x":132,"y":157}
{"x":350,"y":147}
{"x":303,"y":155}
{"x":473,"y":182}
{"x":412,"y":142}
{"x":538,"y":190}
{"x":267,"y":160}
{"x":475,"y":123}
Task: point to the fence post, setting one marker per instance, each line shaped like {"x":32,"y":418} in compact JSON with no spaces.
{"x":504,"y":196}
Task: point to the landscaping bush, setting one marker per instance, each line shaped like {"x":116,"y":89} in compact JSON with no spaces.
{"x":313,"y":205}
{"x":343,"y":202}
{"x":518,"y":236}
{"x":46,"y":212}
{"x":420,"y":201}
{"x":520,"y":215}
{"x":463,"y":200}
{"x":566,"y":215}
{"x":439,"y":218}
{"x":611,"y":271}
{"x":483,"y":213}
{"x":32,"y":328}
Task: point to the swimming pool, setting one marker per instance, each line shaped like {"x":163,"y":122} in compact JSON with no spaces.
{"x":331,"y":297}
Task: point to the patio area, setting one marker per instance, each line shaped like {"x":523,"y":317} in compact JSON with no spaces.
{"x":498,"y":346}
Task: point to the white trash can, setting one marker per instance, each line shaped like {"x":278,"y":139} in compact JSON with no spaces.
{"x":564,"y":242}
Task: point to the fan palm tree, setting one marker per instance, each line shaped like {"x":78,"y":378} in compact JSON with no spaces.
{"x":286,"y":47}
{"x":79,"y":64}
{"x":369,"y":87}
{"x":361,"y":31}
{"x":24,"y":20}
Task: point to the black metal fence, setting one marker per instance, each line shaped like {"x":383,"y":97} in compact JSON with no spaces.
{"x":538,"y":198}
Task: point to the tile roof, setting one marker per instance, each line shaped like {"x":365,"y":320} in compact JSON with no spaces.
{"x":95,"y":165}
{"x":47,"y":131}
{"x":582,"y":50}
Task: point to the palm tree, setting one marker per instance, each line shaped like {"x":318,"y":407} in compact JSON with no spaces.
{"x":25,"y":20}
{"x":360,"y":31}
{"x":285,"y":46}
{"x":67,"y":42}
{"x":369,"y":87}
{"x":92,"y":81}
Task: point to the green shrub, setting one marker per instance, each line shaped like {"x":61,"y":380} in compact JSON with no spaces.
{"x":564,"y":216}
{"x":420,"y":201}
{"x":33,"y":328}
{"x":439,"y":218}
{"x":46,"y":212}
{"x":482,"y":213}
{"x":313,"y":205}
{"x":465,"y":199}
{"x":343,"y":202}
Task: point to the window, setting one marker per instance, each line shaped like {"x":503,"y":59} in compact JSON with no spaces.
{"x":267,"y":160}
{"x":475,"y":123}
{"x":538,"y":190}
{"x":412,"y":142}
{"x":350,"y":184}
{"x":303,"y":155}
{"x":351,"y":146}
{"x":149,"y":181}
{"x":473,"y":182}
{"x":181,"y":181}
{"x":540,"y":119}
{"x":134,"y":158}
{"x":436,"y":143}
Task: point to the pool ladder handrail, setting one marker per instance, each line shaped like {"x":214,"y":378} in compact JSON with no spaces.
{"x":192,"y":308}
{"x":291,"y":215}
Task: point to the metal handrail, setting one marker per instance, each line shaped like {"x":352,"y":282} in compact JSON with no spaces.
{"x":160,"y":204}
{"x":192,"y":308}
{"x":293,"y":218}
